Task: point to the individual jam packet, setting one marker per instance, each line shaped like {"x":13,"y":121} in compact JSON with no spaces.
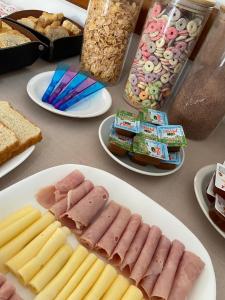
{"x":220,"y":205}
{"x":220,"y":180}
{"x":121,"y":141}
{"x":217,"y":212}
{"x":127,"y":121}
{"x":142,"y":145}
{"x":209,"y":191}
{"x":84,"y":94}
{"x":154,"y":116}
{"x":56,"y":78}
{"x":172,"y":135}
{"x":65,"y":80}
{"x":174,"y":159}
{"x":74,"y":83}
{"x":148,"y":130}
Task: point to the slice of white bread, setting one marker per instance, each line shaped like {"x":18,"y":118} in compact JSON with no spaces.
{"x":8,"y":143}
{"x":27,"y":133}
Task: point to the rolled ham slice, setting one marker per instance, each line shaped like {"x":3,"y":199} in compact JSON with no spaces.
{"x":146,"y":254}
{"x":189,"y":270}
{"x":72,"y":198}
{"x":110,"y":239}
{"x":81,"y":215}
{"x":46,"y":196}
{"x":59,"y":195}
{"x":135,"y":249}
{"x":121,"y":249}
{"x":2,"y":279}
{"x":156,"y":266}
{"x":165,"y":280}
{"x":70,"y":182}
{"x":6,"y":290}
{"x":15,"y":297}
{"x":97,"y":229}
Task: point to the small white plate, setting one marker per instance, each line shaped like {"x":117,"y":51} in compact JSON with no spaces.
{"x":201,"y":181}
{"x":14,"y":162}
{"x":104,"y":131}
{"x":92,"y":106}
{"x":137,"y":202}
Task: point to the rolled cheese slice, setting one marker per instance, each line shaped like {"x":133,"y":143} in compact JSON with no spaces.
{"x":75,"y":279}
{"x":32,"y":249}
{"x":15,"y":245}
{"x":102,"y":284}
{"x":15,"y":228}
{"x":30,"y":269}
{"x":54,"y":287}
{"x":15,"y":216}
{"x":117,"y":289}
{"x":53,"y":266}
{"x":133,"y":293}
{"x":88,"y":281}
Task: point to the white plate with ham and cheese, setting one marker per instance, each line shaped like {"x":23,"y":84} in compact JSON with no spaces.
{"x":23,"y":193}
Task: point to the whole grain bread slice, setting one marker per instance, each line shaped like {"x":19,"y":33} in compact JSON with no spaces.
{"x":26,"y":132}
{"x":8,"y":143}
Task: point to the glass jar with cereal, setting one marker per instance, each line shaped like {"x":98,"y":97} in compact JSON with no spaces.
{"x":106,"y":37}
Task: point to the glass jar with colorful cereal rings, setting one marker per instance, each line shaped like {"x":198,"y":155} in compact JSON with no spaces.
{"x":168,"y":38}
{"x":107,"y":34}
{"x":200,"y":103}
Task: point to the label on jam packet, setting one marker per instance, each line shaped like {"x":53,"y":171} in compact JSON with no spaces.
{"x":127,"y":121}
{"x":123,"y":142}
{"x":174,"y":158}
{"x":149,"y":130}
{"x":151,"y":148}
{"x":172,"y":135}
{"x":220,"y":205}
{"x":154,"y":116}
{"x":220,"y":177}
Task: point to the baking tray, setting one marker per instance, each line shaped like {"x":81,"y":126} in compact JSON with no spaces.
{"x":17,"y":57}
{"x":54,"y":50}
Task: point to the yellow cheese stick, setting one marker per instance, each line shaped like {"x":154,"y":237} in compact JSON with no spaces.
{"x":53,"y":266}
{"x":14,"y":246}
{"x":117,"y":289}
{"x":32,"y":249}
{"x":9,"y":232}
{"x":133,"y":293}
{"x":62,"y":278}
{"x":15,"y":216}
{"x":102,"y":284}
{"x":75,"y":279}
{"x":88,"y":281}
{"x":32,"y":267}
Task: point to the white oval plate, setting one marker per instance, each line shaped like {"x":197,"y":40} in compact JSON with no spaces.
{"x":201,"y":181}
{"x":92,"y":106}
{"x":23,"y":193}
{"x":103,"y":133}
{"x":14,"y":162}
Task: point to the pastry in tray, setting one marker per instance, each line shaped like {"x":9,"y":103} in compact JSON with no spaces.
{"x":53,"y":26}
{"x":10,"y":37}
{"x":16,"y":132}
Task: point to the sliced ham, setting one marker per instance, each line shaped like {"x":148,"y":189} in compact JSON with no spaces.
{"x":189,"y":270}
{"x":6,"y":290}
{"x":121,"y":249}
{"x":59,"y":195}
{"x":46,"y":196}
{"x":146,"y":254}
{"x":72,"y":198}
{"x":81,"y":215}
{"x":110,"y":239}
{"x":97,"y":229}
{"x":156,"y":266}
{"x":2,"y":279}
{"x":15,"y":297}
{"x":165,"y":280}
{"x":70,"y":182}
{"x":135,"y":249}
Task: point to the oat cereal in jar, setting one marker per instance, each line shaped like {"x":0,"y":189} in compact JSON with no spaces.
{"x":200,"y":103}
{"x":169,"y":35}
{"x":107,"y":34}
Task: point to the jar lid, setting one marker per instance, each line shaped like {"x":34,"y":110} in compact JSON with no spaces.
{"x":206,"y":3}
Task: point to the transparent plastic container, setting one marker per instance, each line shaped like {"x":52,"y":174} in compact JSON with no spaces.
{"x":200,"y":103}
{"x":106,"y":37}
{"x":170,"y":33}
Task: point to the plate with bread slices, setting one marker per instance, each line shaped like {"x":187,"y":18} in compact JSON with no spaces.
{"x":18,"y":137}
